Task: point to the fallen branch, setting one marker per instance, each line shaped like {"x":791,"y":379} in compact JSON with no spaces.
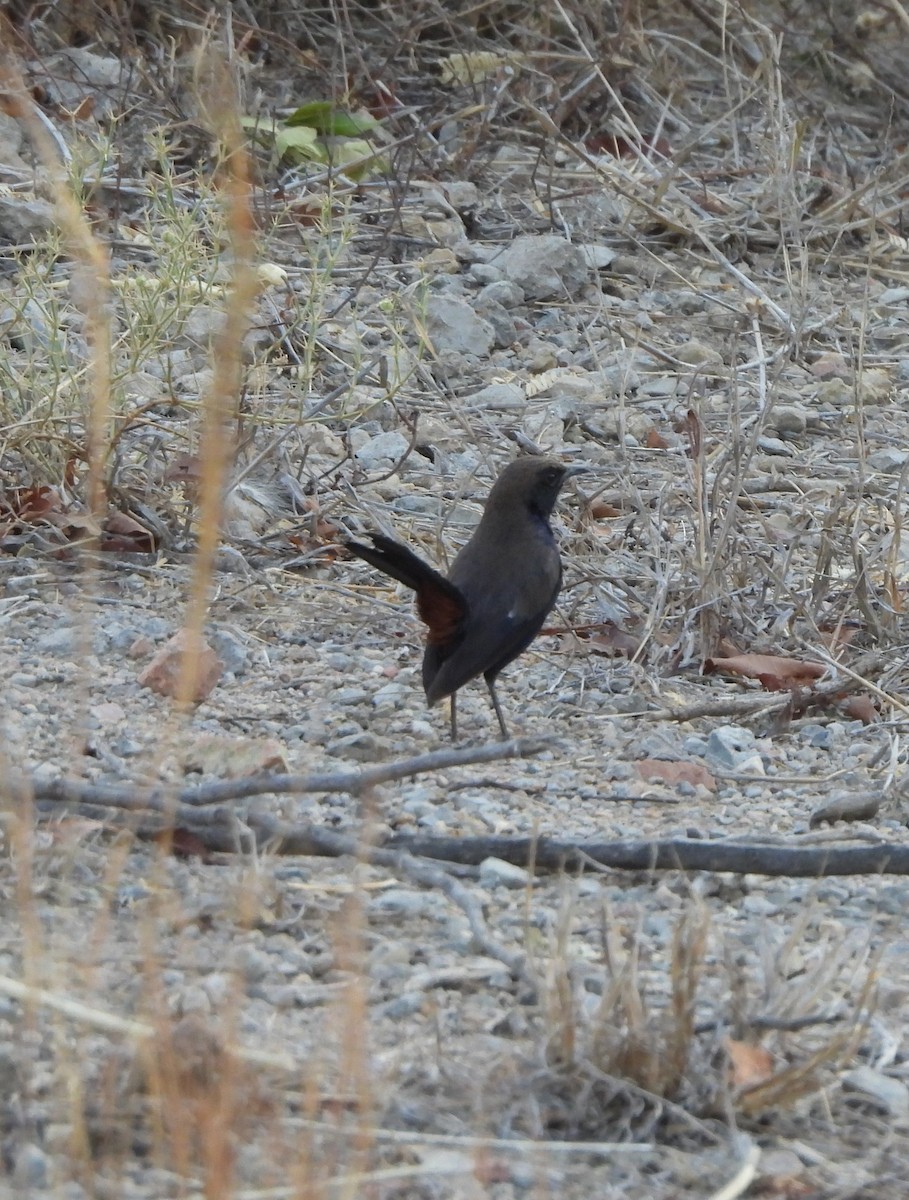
{"x":135,"y":798}
{"x":685,"y":854}
{"x":220,"y":829}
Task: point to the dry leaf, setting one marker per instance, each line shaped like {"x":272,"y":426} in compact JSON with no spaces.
{"x":655,"y":440}
{"x":610,"y":639}
{"x":600,"y":510}
{"x":775,"y":673}
{"x":666,"y":771}
{"x":124,"y":535}
{"x":475,"y":67}
{"x":622,"y":147}
{"x":748,"y":1065}
{"x":859,"y":708}
{"x":183,"y":843}
{"x":690,"y":427}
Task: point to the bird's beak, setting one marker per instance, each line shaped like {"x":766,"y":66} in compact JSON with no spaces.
{"x":576,"y":469}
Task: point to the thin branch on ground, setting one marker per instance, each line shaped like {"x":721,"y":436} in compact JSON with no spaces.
{"x":160,"y":799}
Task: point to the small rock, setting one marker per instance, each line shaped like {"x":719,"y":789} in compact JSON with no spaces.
{"x":364,"y":746}
{"x":893,"y":295}
{"x":486,"y":273}
{"x":544,"y":266}
{"x":503,"y":292}
{"x":775,"y":1167}
{"x":495,"y":872}
{"x":108,"y":713}
{"x":598,"y":258}
{"x":697,"y":354}
{"x":889,"y":461}
{"x":817,"y":735}
{"x":231,"y":651}
{"x":253,"y":964}
{"x":57,"y":641}
{"x":382,"y":451}
{"x":504,"y":328}
{"x":405,"y":1005}
{"x":391,"y":696}
{"x":891,"y":1094}
{"x":164,"y":673}
{"x":454,"y":327}
{"x":732,"y":748}
{"x":23,"y":220}
{"x":875,"y":385}
{"x":31,"y":1167}
{"x":830,"y":365}
{"x":12,"y":139}
{"x":441,"y":261}
{"x":141,"y":647}
{"x":835,"y":392}
{"x":192,"y":999}
{"x":774,"y":446}
{"x":404,"y":902}
{"x":497,"y":397}
{"x":461,"y":194}
{"x":789,"y":418}
{"x":203,"y":323}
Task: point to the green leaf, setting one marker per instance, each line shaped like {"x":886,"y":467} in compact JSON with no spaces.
{"x":327,"y":119}
{"x":356,"y":159}
{"x":297,"y":145}
{"x":260,"y":129}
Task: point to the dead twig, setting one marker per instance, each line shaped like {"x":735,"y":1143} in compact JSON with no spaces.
{"x":162,"y":800}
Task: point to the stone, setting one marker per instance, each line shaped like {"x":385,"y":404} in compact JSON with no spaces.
{"x":544,"y":266}
{"x":382,"y":451}
{"x":495,"y":873}
{"x":23,"y":221}
{"x":454,"y":327}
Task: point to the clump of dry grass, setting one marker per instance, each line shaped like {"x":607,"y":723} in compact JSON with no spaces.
{"x":639,"y":1043}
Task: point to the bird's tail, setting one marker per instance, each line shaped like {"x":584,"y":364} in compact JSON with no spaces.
{"x":439,"y":603}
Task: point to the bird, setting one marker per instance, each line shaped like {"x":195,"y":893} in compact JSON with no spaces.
{"x":499,"y":590}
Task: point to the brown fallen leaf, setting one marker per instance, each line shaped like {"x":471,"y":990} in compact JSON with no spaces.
{"x":76,"y":525}
{"x":671,"y":772}
{"x":122,"y":534}
{"x":183,"y":843}
{"x":749,"y":1065}
{"x":839,"y":635}
{"x":599,"y":510}
{"x":690,"y":427}
{"x":860,"y":708}
{"x":164,"y":673}
{"x":619,"y":146}
{"x":775,"y":673}
{"x":612,"y":640}
{"x":655,"y":440}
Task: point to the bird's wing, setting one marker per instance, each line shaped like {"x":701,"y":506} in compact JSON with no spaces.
{"x":504,"y":625}
{"x":500,"y":625}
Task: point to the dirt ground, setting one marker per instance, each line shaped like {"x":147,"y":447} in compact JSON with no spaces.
{"x":668,"y":248}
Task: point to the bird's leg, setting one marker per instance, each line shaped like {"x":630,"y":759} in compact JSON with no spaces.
{"x":495,"y":705}
{"x":454,"y":717}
